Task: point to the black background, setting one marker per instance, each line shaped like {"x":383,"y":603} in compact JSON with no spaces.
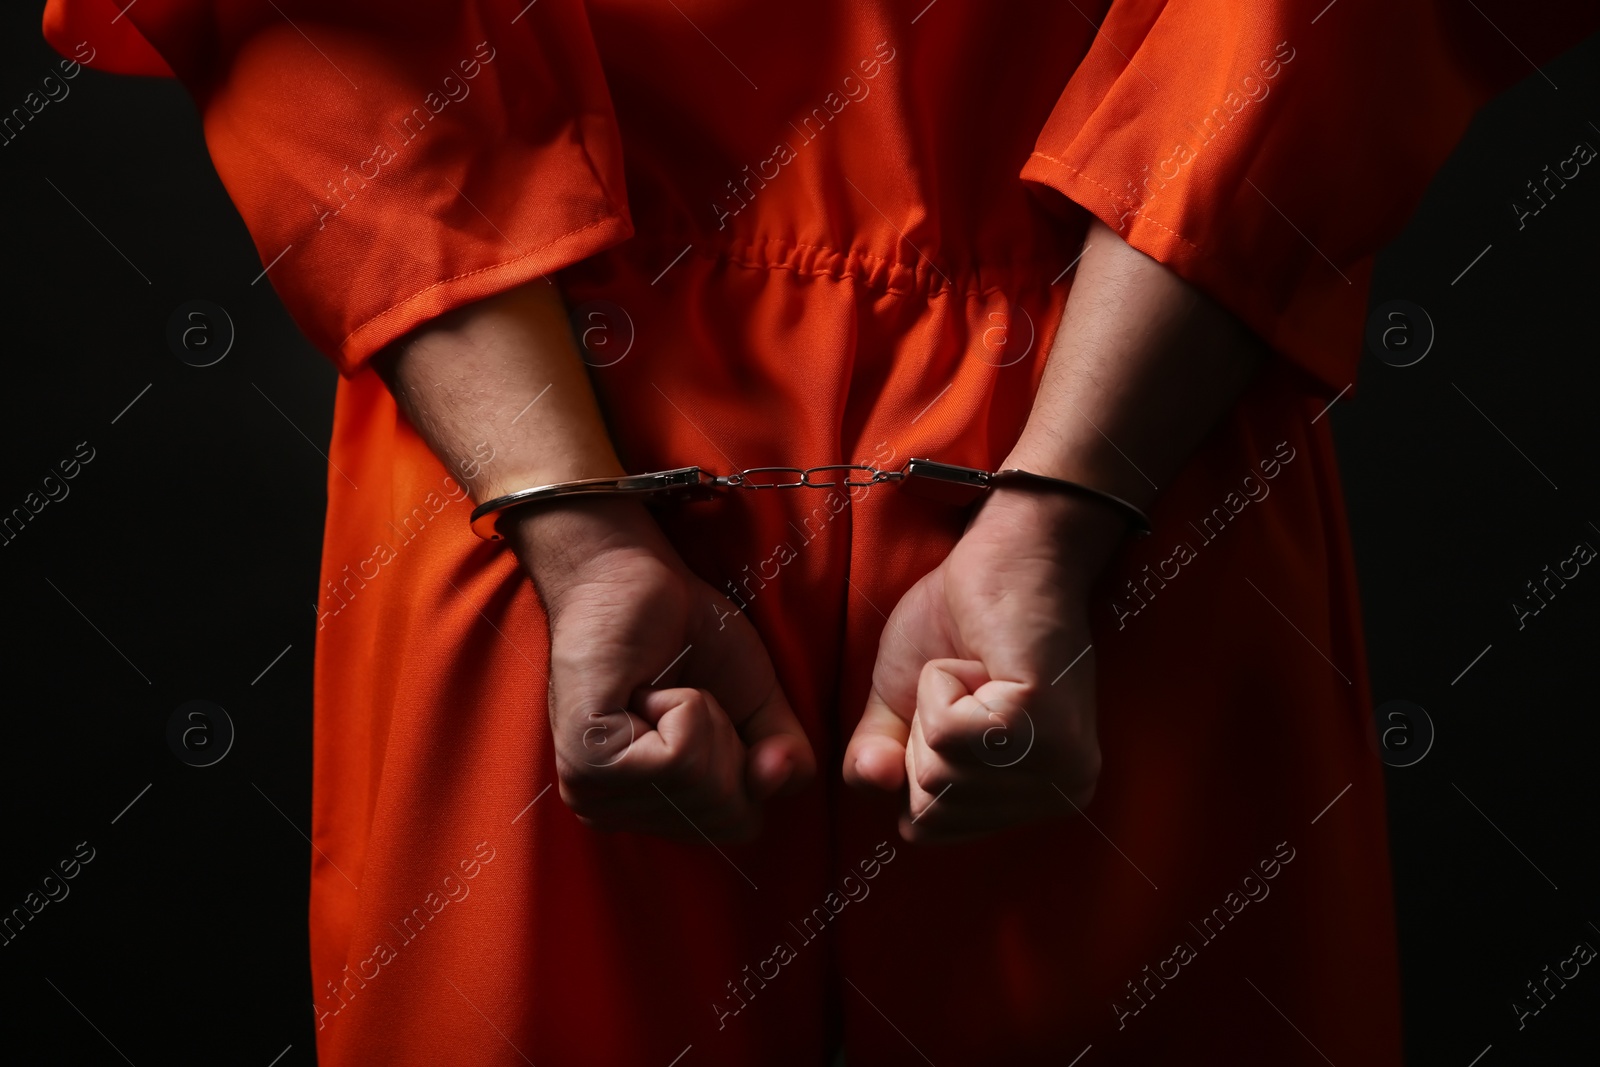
{"x":184,"y":562}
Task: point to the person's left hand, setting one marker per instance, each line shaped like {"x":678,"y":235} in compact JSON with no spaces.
{"x":974,"y":713}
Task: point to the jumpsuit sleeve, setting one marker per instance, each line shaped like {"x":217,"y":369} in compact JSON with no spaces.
{"x":1265,"y":152}
{"x":390,"y":161}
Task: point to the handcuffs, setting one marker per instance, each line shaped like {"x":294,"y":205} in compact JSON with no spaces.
{"x":944,"y":482}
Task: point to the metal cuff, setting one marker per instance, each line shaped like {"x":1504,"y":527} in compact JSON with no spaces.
{"x":924,"y":477}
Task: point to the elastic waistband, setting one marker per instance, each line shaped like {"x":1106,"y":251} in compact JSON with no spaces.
{"x":922,"y":275}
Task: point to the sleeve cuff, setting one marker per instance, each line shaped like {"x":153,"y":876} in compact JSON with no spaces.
{"x":447,"y":294}
{"x":1318,"y":329}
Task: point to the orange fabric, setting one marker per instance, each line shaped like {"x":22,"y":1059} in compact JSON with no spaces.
{"x":1267,"y":158}
{"x":114,"y":42}
{"x":847,"y":247}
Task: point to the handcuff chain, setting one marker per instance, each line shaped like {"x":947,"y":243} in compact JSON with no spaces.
{"x":743,"y":479}
{"x":946,"y":482}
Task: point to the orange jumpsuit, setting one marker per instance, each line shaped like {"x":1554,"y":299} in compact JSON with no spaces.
{"x":819,"y":232}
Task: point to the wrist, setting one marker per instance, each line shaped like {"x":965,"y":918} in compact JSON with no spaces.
{"x":1097,"y":465}
{"x":549,"y":469}
{"x":1081,"y":534}
{"x":575,"y":540}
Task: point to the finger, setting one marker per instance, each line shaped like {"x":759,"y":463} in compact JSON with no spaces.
{"x":948,"y":679}
{"x":928,"y":772}
{"x":971,"y":720}
{"x":937,"y":783}
{"x":732,"y":663}
{"x":966,"y":803}
{"x":601,"y":738}
{"x":680,"y":753}
{"x":948,"y":717}
{"x":928,"y":777}
{"x":779,"y":760}
{"x":958,"y":810}
{"x":591,"y":724}
{"x":875,"y":758}
{"x":607,"y":762}
{"x":702,"y":763}
{"x":876,"y":754}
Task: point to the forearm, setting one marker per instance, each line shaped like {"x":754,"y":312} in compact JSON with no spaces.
{"x":498,"y":391}
{"x":624,"y":613}
{"x":1142,"y":367}
{"x":502,"y":377}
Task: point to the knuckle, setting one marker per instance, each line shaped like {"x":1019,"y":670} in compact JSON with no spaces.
{"x":941,"y":732}
{"x":683,"y":768}
{"x":1004,"y":739}
{"x":1025,"y":693}
{"x":932,"y":776}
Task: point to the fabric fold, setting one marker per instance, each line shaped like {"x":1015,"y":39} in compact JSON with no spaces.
{"x":391,"y":162}
{"x":1240,"y":151}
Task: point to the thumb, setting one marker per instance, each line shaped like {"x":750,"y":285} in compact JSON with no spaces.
{"x":876,"y":755}
{"x":778,"y":760}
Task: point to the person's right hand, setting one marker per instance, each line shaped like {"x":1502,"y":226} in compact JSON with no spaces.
{"x":666,"y":715}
